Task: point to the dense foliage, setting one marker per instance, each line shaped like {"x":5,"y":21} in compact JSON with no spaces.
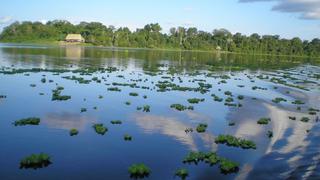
{"x":150,"y":36}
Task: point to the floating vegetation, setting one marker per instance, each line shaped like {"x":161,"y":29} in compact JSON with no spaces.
{"x":297,"y":102}
{"x":35,"y":161}
{"x":292,"y":118}
{"x":114,"y":89}
{"x":234,"y":141}
{"x":33,"y":85}
{"x":278,"y":100}
{"x":73,"y":132}
{"x":270,"y":134}
{"x":305,"y":119}
{"x":133,"y":94}
{"x":257,"y":87}
{"x":127,"y":137}
{"x":128,"y":103}
{"x":228,"y":93}
{"x":182,"y":173}
{"x":116,"y":122}
{"x":56,"y":95}
{"x":181,"y":107}
{"x":146,"y":108}
{"x":139,"y":171}
{"x":216,"y":98}
{"x":27,"y":121}
{"x":83,"y":110}
{"x":80,"y":80}
{"x":195,"y":100}
{"x":100,"y":129}
{"x":226,"y":166}
{"x":3,"y":96}
{"x":145,"y":97}
{"x":201,"y":128}
{"x":240,"y":97}
{"x":263,"y":120}
{"x":231,"y":123}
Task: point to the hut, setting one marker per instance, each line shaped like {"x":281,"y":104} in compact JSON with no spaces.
{"x":74,"y":38}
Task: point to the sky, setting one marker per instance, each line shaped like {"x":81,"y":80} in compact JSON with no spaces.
{"x":287,"y":18}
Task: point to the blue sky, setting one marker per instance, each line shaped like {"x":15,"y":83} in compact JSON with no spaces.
{"x":288,"y":18}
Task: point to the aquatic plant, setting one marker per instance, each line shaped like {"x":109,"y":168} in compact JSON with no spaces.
{"x":145,"y":96}
{"x":228,"y":166}
{"x":139,"y":170}
{"x":73,"y":132}
{"x":297,"y":102}
{"x":263,"y":120}
{"x":182,"y":173}
{"x":181,"y":107}
{"x":234,"y":141}
{"x":216,"y":98}
{"x":33,"y":85}
{"x":56,"y":95}
{"x":3,"y":96}
{"x":270,"y":134}
{"x":114,"y":89}
{"x":278,"y":100}
{"x":27,"y":121}
{"x":116,"y":122}
{"x":43,"y":80}
{"x":195,"y":100}
{"x":35,"y":161}
{"x":201,"y":128}
{"x":133,"y":94}
{"x":146,"y":108}
{"x":128,"y":103}
{"x":100,"y":96}
{"x":292,"y":118}
{"x":127,"y":137}
{"x":232,"y":123}
{"x":304,"y":119}
{"x":240,"y":97}
{"x":100,"y":129}
{"x":228,"y":93}
{"x":187,"y":130}
{"x":83,"y":109}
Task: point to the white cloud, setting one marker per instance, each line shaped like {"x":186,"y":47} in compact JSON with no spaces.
{"x":5,"y":19}
{"x":308,"y":9}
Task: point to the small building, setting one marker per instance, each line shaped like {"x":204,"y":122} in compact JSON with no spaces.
{"x":74,"y":38}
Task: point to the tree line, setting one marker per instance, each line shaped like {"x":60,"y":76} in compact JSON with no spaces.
{"x":150,"y":36}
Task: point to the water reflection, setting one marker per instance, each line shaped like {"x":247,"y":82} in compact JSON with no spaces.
{"x":74,"y":52}
{"x":66,"y":120}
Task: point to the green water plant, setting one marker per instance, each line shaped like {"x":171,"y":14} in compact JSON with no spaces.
{"x":182,"y":173}
{"x":263,"y":120}
{"x":139,"y":170}
{"x":116,"y":122}
{"x":228,"y":166}
{"x":73,"y":132}
{"x":304,"y":119}
{"x":100,"y":128}
{"x":195,"y":100}
{"x":201,"y":127}
{"x":146,"y":108}
{"x":181,"y":107}
{"x":35,"y":161}
{"x":127,"y":137}
{"x":235,"y":141}
{"x":27,"y":121}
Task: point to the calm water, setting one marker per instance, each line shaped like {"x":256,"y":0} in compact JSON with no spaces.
{"x":159,"y":137}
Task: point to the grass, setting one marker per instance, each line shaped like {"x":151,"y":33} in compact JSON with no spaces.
{"x":100,"y":129}
{"x":182,"y":173}
{"x":127,"y":137}
{"x":234,"y":141}
{"x":35,"y":161}
{"x":139,"y":170}
{"x":201,"y":128}
{"x":27,"y":121}
{"x":116,"y":122}
{"x":73,"y":132}
{"x":263,"y":121}
{"x":181,"y":107}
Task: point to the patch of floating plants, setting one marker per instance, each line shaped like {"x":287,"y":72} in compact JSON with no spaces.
{"x":100,"y":128}
{"x":226,"y":166}
{"x":201,"y":128}
{"x":264,"y":121}
{"x":181,"y":107}
{"x":278,"y":100}
{"x":195,"y":100}
{"x":182,"y":173}
{"x":127,"y":137}
{"x":304,"y":119}
{"x":139,"y":171}
{"x":56,"y":95}
{"x":133,"y":94}
{"x":73,"y":132}
{"x":116,"y":122}
{"x":235,"y":141}
{"x":27,"y":121}
{"x":35,"y":161}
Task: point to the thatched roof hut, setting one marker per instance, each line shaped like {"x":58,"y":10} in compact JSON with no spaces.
{"x":74,"y":38}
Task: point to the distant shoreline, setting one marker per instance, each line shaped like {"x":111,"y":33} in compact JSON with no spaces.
{"x":63,"y":44}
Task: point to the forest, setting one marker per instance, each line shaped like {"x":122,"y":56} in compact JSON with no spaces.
{"x":151,"y":36}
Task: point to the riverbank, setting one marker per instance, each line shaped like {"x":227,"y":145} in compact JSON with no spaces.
{"x":63,"y":43}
